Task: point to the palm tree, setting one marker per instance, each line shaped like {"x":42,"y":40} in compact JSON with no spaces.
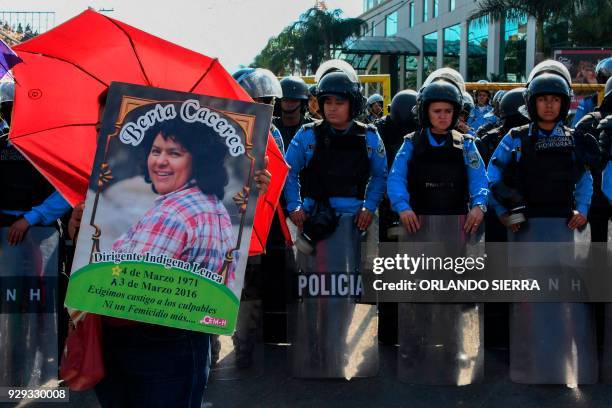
{"x":324,"y":30}
{"x":302,"y":46}
{"x":515,"y":10}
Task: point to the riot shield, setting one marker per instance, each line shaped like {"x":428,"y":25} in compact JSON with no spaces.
{"x":29,"y":309}
{"x":331,"y":335}
{"x":441,"y":344}
{"x":550,"y":343}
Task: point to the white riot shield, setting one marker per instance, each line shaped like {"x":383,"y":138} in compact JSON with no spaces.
{"x":331,"y":335}
{"x":441,"y":344}
{"x":551,"y":343}
{"x":29,"y":309}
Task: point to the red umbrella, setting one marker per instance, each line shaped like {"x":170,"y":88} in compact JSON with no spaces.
{"x":64,"y":71}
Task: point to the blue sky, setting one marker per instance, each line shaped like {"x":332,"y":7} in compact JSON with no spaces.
{"x":232,"y":30}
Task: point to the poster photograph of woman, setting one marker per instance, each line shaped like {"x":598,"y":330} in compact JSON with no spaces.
{"x":166,"y":227}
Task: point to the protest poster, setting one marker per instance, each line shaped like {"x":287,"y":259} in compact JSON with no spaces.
{"x":581,"y":63}
{"x":169,"y":210}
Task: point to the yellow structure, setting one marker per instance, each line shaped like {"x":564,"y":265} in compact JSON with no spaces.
{"x":383,"y":80}
{"x":494,"y":86}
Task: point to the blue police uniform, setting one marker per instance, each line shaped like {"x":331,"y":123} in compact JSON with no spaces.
{"x":477,"y":116}
{"x":397,"y":184}
{"x":503,"y":154}
{"x":278,"y":138}
{"x":586,"y":105}
{"x":301,"y":151}
{"x":606,"y":185}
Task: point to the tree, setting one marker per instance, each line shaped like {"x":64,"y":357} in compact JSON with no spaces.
{"x":302,"y":46}
{"x":324,"y":30}
{"x":592,"y":24}
{"x":515,"y":10}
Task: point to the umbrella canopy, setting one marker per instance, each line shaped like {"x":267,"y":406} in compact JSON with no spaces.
{"x":65,"y":70}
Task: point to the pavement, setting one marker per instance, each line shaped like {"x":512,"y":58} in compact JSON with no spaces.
{"x":275,"y":388}
{"x":272,"y":387}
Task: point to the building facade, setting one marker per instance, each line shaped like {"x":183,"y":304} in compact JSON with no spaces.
{"x":445,"y":35}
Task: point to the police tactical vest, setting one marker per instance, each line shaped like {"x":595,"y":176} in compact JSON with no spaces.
{"x":22,"y":186}
{"x":392,"y":136}
{"x":340,"y":166}
{"x":287,"y":132}
{"x":437,"y":176}
{"x":547,"y":172}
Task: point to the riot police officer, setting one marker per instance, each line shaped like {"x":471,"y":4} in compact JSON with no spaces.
{"x":493,"y":116}
{"x":466,"y":109}
{"x":313,"y":106}
{"x":341,"y":166}
{"x":247,"y":341}
{"x":399,"y":122}
{"x":438,"y":185}
{"x":586,"y":132}
{"x":28,"y":199}
{"x":374,"y":108}
{"x":509,"y":117}
{"x":293,"y":106}
{"x":263,"y":86}
{"x":536,"y":174}
{"x":481,"y":98}
{"x":603,"y":71}
{"x":392,"y":128}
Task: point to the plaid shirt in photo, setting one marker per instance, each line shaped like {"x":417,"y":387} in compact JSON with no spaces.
{"x":187,"y":225}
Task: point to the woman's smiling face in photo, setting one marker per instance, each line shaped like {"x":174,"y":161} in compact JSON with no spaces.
{"x":169,"y":165}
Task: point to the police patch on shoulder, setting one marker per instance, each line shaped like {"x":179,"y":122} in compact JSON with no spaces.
{"x":472,"y":159}
{"x":381,"y":150}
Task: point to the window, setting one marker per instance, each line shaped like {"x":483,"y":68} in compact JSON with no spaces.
{"x":435,"y":8}
{"x":478,"y":37}
{"x":410,"y":78}
{"x":430,"y":52}
{"x":425,"y":11}
{"x":411,"y":16}
{"x":451,"y":5}
{"x":452,"y":41}
{"x":513,"y":48}
{"x":391,"y":24}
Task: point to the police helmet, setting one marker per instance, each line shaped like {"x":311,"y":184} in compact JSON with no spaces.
{"x":448,"y":74}
{"x":440,"y":90}
{"x":259,"y":83}
{"x":340,"y":84}
{"x":312,"y":89}
{"x":498,"y":95}
{"x":511,"y":102}
{"x":294,"y":88}
{"x":552,"y":67}
{"x":468,"y":104}
{"x":335,"y":65}
{"x":7,"y":91}
{"x":603,"y":70}
{"x":373,"y":99}
{"x":401,"y":107}
{"x":547,"y":84}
